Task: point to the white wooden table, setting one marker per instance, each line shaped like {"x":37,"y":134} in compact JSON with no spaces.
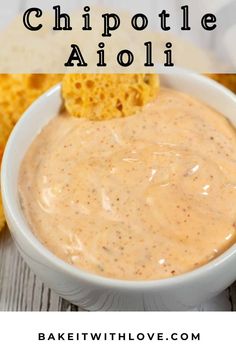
{"x":21,"y":290}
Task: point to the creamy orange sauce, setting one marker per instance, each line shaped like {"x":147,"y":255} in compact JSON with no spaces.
{"x":143,"y":197}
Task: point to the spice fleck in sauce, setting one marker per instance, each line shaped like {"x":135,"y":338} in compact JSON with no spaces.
{"x":143,"y":197}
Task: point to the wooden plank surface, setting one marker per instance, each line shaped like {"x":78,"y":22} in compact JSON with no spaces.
{"x":21,"y":290}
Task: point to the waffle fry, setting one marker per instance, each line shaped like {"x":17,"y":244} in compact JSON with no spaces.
{"x":106,"y":96}
{"x":228,"y":80}
{"x":17,"y":92}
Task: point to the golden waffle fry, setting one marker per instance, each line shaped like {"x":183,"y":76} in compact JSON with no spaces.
{"x":228,"y":80}
{"x":106,"y":96}
{"x":5,"y":129}
{"x":17,"y":92}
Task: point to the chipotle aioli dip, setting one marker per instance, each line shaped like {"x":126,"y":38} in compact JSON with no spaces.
{"x":144,"y":197}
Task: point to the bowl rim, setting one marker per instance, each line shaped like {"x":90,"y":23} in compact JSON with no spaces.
{"x":59,"y":264}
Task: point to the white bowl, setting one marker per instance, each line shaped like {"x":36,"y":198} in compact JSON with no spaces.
{"x":95,"y":292}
